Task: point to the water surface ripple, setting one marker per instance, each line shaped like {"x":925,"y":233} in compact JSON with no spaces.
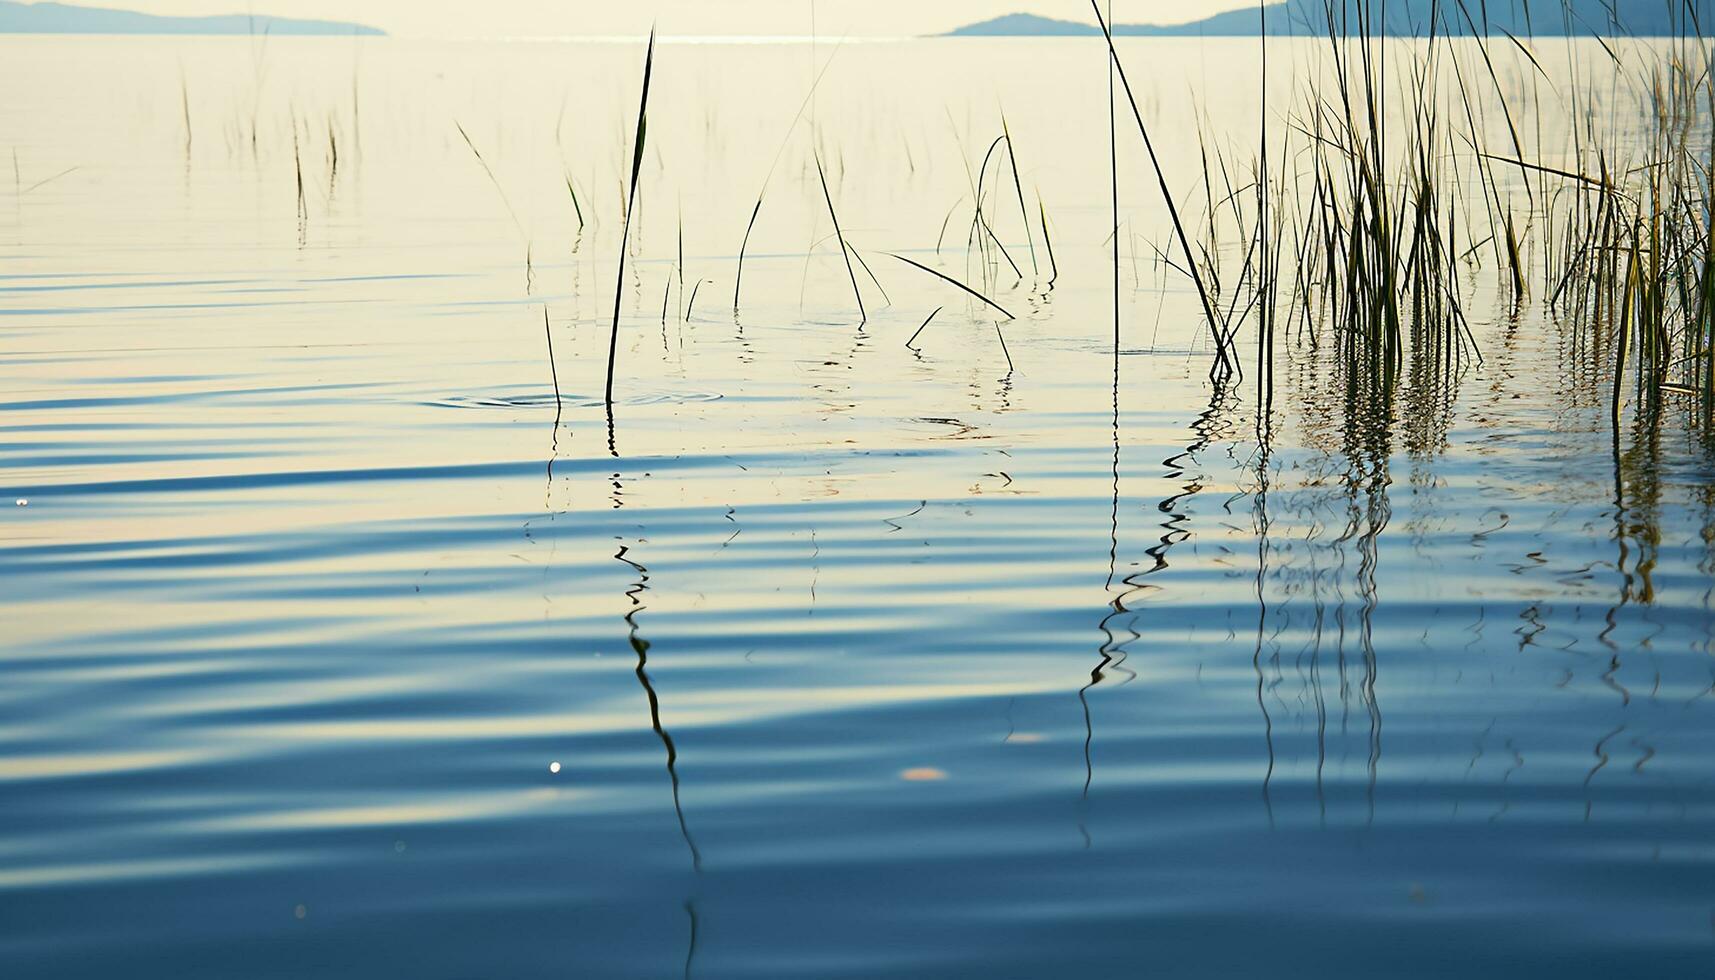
{"x":338,"y":646}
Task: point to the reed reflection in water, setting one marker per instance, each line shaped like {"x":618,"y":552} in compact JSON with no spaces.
{"x":939,"y":644}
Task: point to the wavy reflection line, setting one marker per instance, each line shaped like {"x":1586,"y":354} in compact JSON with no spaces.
{"x":1637,"y":499}
{"x":1367,"y":445}
{"x":1350,"y":419}
{"x":892,"y":522}
{"x":1377,"y":515}
{"x":1104,"y":651}
{"x":640,"y":646}
{"x":1259,"y":505}
{"x":1600,"y":751}
{"x":1112,"y":653}
{"x":691,"y":944}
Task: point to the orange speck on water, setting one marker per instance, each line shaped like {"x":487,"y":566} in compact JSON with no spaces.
{"x":923,"y":774}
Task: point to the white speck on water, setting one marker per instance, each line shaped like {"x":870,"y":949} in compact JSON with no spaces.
{"x":554,"y":767}
{"x":23,"y":502}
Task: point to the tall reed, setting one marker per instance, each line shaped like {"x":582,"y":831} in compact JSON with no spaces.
{"x":630,"y":204}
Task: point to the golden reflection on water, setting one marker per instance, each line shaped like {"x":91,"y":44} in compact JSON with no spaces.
{"x":923,"y":774}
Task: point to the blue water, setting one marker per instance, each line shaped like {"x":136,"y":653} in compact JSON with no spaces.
{"x":333,"y":649}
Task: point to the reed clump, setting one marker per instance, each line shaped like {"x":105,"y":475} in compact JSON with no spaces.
{"x":1388,"y":190}
{"x":1634,"y":270}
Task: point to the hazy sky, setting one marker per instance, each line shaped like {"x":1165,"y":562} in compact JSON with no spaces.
{"x":490,"y":18}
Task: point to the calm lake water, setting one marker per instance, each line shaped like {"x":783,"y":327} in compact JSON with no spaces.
{"x":331,"y":651}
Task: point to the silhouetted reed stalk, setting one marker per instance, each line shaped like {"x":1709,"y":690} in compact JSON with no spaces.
{"x":886,"y":299}
{"x":625,"y":232}
{"x":504,"y":200}
{"x":1223,"y":364}
{"x":298,"y":172}
{"x":577,"y":208}
{"x":841,"y":238}
{"x":923,"y":327}
{"x":553,"y":370}
{"x":738,"y":275}
{"x":1047,"y":242}
{"x":1114,"y":187}
{"x":333,"y":154}
{"x":982,"y":230}
{"x":939,"y":238}
{"x":1003,"y":348}
{"x":1018,"y":187}
{"x":185,"y":107}
{"x":356,"y":110}
{"x":949,"y":279}
{"x":691,"y":307}
{"x":1267,"y":276}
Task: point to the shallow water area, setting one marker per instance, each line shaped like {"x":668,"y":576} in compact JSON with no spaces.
{"x":347,"y":634}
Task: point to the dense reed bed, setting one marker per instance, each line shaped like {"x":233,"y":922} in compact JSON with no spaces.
{"x":1366,"y":237}
{"x":1403,"y":183}
{"x":1630,"y":261}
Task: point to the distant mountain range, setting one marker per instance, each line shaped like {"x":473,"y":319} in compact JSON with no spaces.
{"x":59,"y":18}
{"x":1405,"y":18}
